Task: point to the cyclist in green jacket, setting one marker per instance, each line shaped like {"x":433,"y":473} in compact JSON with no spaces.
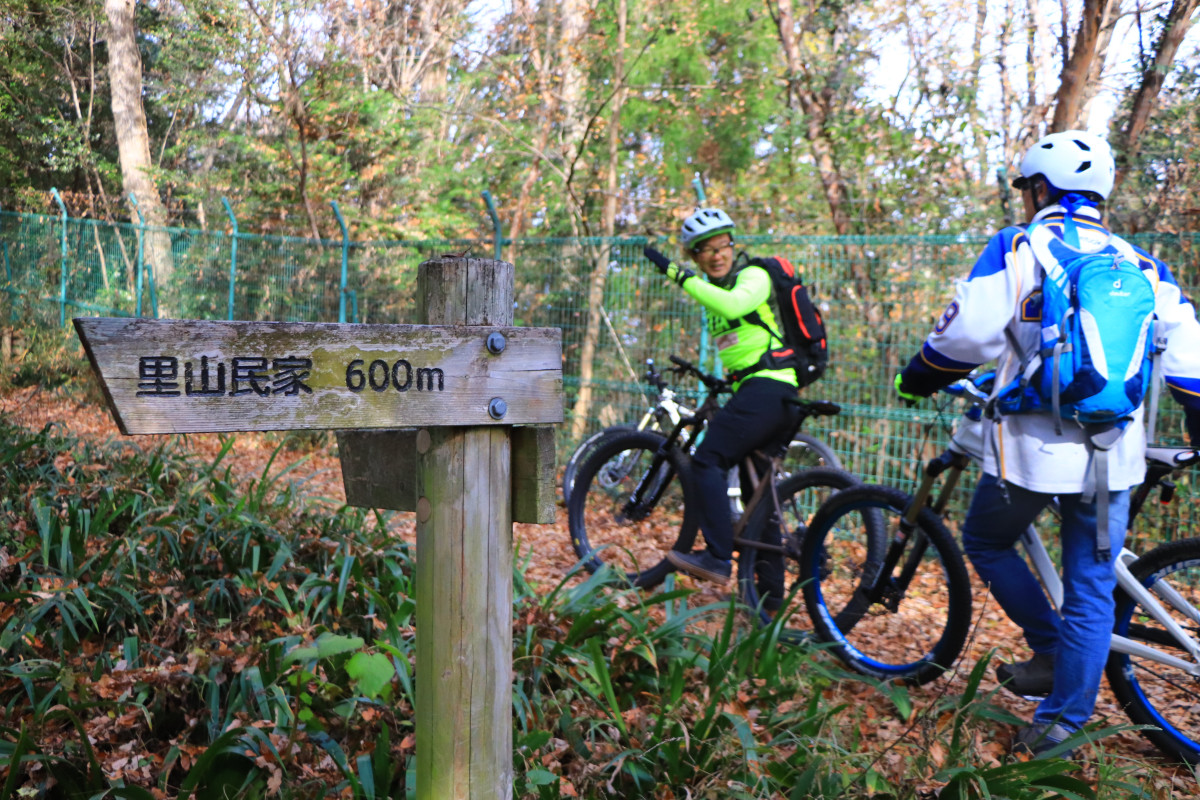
{"x":758,"y":416}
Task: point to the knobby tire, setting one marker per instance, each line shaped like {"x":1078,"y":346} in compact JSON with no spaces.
{"x":914,"y":635}
{"x":608,"y":525}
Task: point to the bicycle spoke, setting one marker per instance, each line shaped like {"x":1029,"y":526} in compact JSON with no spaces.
{"x":769,"y":578}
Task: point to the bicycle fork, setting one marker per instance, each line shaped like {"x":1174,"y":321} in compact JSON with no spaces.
{"x":884,"y":588}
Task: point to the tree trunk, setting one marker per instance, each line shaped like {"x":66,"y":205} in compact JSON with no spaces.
{"x":133,"y":143}
{"x":1006,"y":90}
{"x":816,"y":114}
{"x":977,"y":125}
{"x":547,"y":109}
{"x":1072,"y":88}
{"x":1107,"y":26}
{"x":573,"y":15}
{"x":1175,"y":27}
{"x":435,"y":22}
{"x":595,"y":297}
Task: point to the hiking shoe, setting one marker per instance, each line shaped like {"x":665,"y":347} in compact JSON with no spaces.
{"x":1041,"y":737}
{"x":1032,"y":678}
{"x":703,"y":565}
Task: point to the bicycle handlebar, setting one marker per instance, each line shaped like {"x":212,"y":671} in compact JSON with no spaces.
{"x":966,"y":388}
{"x":713,"y":383}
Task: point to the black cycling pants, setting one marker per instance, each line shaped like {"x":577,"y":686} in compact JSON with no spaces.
{"x":757,"y":417}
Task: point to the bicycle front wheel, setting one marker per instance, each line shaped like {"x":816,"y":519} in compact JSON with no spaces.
{"x":905,"y":616}
{"x":630,"y":505}
{"x":583,"y":452}
{"x":769,"y":565}
{"x":1160,"y":685}
{"x":806,"y":452}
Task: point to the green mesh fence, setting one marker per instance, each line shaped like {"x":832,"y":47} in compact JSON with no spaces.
{"x":880,"y":297}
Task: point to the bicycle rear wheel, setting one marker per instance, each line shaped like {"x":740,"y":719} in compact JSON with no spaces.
{"x":1166,"y":696}
{"x":768,"y":579}
{"x":630,"y":505}
{"x":806,"y":452}
{"x":583,"y":452}
{"x":903,"y":616}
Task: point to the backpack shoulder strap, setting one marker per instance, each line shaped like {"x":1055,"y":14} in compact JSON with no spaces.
{"x":754,"y":318}
{"x":1041,"y":239}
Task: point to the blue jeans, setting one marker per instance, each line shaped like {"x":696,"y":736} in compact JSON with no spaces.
{"x":1080,"y":637}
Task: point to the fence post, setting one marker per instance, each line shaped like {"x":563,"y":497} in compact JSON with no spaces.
{"x":8,"y":287}
{"x":337,"y":212}
{"x":232,"y":253}
{"x":701,"y":201}
{"x":464,"y":564}
{"x":62,"y":290}
{"x":141,"y":261}
{"x":496,"y":235}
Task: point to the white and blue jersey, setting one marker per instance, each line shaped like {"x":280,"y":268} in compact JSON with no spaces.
{"x":1003,"y":293}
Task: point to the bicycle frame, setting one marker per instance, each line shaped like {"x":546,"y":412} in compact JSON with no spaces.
{"x":760,"y":484}
{"x":1044,"y":567}
{"x":685,"y":429}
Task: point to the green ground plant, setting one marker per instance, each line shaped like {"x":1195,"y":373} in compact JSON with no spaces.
{"x":167,"y":629}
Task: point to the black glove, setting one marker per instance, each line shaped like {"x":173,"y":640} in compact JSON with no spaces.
{"x":666,"y":266}
{"x":906,"y":396}
{"x":656,"y":258}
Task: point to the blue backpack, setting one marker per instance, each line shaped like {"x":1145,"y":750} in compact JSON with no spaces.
{"x":1097,"y":339}
{"x":1095,"y":361}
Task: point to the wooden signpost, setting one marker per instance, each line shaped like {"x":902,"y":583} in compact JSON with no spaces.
{"x":450,"y":419}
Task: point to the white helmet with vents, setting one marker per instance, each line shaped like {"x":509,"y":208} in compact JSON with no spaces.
{"x":704,"y":224}
{"x":1070,"y":161}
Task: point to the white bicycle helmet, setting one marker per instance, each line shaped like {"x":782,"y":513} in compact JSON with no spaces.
{"x":704,"y":224}
{"x":1070,"y":161}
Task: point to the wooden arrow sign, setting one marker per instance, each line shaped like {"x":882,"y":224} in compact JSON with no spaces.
{"x":193,"y":376}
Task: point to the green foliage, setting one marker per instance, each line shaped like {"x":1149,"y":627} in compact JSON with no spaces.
{"x":112,"y":546}
{"x":403,"y":118}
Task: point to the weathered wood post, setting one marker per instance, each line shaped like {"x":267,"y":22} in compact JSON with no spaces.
{"x":464,"y":563}
{"x":448,"y":419}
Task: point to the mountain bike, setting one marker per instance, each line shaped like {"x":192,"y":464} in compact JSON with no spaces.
{"x":631,"y":501}
{"x":908,"y":615}
{"x":806,"y":451}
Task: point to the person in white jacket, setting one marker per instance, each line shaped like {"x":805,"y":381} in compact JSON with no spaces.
{"x":996,"y":315}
